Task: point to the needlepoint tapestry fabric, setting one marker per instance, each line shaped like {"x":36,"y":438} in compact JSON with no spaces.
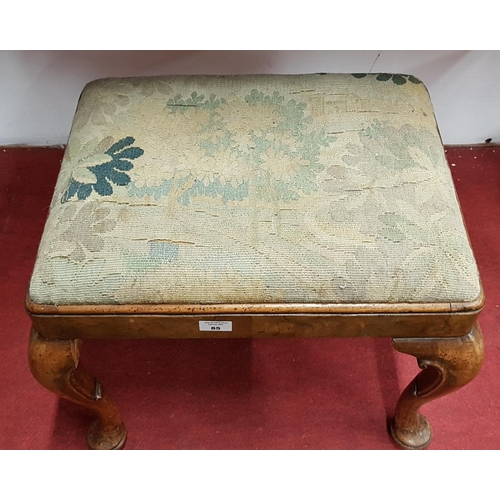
{"x":254,"y":189}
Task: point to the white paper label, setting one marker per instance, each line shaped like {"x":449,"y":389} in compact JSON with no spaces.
{"x":216,"y":326}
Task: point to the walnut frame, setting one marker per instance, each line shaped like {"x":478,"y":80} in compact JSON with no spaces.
{"x":445,"y":339}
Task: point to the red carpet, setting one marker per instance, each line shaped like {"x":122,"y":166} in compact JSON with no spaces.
{"x":239,"y":394}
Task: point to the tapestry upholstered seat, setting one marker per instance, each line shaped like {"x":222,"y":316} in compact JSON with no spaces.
{"x":269,"y":194}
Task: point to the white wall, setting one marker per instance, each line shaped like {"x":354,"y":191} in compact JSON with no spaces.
{"x":39,"y":89}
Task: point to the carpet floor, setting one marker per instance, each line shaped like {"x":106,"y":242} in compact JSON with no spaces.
{"x":239,"y":394}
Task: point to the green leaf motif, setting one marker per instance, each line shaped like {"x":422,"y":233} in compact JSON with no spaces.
{"x":178,"y":104}
{"x":84,"y":191}
{"x":282,"y":137}
{"x":117,"y":146}
{"x":103,"y":187}
{"x":107,"y":173}
{"x":215,"y":189}
{"x":383,"y":77}
{"x":414,"y":79}
{"x":257,"y":97}
{"x":397,"y":79}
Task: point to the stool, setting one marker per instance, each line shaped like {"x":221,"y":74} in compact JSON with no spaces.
{"x":256,"y":206}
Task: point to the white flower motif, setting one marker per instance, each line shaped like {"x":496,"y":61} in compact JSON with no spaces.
{"x":154,"y":171}
{"x":283,"y":139}
{"x":281,"y":166}
{"x":242,"y":118}
{"x":81,"y":172}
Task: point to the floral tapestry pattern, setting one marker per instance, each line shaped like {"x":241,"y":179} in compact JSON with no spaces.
{"x":103,"y":172}
{"x":300,"y":188}
{"x":239,"y":150}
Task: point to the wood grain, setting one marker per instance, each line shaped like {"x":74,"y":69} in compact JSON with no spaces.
{"x":55,"y":364}
{"x":269,"y":308}
{"x":447,"y":365}
{"x":141,"y":326}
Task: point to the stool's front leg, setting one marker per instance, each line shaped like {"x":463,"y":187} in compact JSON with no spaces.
{"x":55,"y":364}
{"x":447,"y":364}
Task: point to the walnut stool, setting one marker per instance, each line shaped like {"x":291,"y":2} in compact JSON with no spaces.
{"x":256,"y":206}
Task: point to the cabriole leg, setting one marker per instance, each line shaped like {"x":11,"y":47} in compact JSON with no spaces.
{"x":447,"y":364}
{"x":55,"y":364}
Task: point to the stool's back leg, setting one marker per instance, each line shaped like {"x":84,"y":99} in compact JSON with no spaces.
{"x":55,"y":364}
{"x":447,"y":364}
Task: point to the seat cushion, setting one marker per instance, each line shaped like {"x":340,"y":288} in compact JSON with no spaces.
{"x":327,"y":188}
